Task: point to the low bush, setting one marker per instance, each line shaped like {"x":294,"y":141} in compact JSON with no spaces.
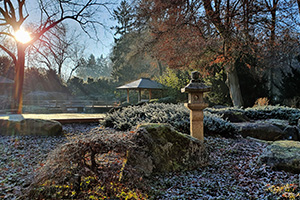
{"x":174,"y":114}
{"x":264,"y":112}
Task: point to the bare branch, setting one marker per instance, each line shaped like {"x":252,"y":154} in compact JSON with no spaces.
{"x":6,"y":33}
{"x":11,"y":10}
{"x":12,"y":55}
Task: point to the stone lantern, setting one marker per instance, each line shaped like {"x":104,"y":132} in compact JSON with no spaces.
{"x":195,"y":90}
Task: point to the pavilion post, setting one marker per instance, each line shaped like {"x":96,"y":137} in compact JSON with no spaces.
{"x":127,"y":95}
{"x":140,"y":95}
{"x":150,"y":94}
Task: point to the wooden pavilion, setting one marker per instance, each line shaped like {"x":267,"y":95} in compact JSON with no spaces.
{"x":141,"y":84}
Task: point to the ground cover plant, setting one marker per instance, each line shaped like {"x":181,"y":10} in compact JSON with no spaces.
{"x":264,"y":112}
{"x":178,"y":116}
{"x":174,"y":114}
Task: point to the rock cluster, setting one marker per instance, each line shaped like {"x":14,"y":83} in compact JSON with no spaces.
{"x":268,"y":129}
{"x":283,"y":155}
{"x":284,"y":152}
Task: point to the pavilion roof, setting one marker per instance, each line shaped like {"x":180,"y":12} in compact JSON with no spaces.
{"x":4,"y":80}
{"x":143,"y":83}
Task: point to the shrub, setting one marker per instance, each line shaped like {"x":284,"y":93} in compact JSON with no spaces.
{"x":174,"y":114}
{"x":89,"y":167}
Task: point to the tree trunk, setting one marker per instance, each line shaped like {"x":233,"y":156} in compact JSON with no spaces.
{"x":19,"y":80}
{"x":234,"y":88}
{"x":160,"y":68}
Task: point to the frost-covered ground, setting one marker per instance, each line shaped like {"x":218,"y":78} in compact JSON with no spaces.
{"x":233,"y":173}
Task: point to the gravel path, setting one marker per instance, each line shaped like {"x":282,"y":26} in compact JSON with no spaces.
{"x":234,"y":172}
{"x":22,"y":156}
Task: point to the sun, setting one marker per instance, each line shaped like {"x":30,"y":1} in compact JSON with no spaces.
{"x":22,"y":36}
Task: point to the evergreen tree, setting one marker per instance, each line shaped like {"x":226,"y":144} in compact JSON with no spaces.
{"x":124,"y":16}
{"x":94,"y":68}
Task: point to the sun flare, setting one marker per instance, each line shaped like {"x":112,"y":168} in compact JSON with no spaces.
{"x":22,"y":36}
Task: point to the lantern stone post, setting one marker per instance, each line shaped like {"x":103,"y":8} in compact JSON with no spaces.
{"x":196,"y":104}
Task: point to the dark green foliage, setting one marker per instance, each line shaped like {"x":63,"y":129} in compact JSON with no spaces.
{"x":290,"y":84}
{"x":174,"y":114}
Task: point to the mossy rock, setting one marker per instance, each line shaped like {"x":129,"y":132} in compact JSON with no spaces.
{"x":283,"y":155}
{"x":30,"y":127}
{"x":162,"y":149}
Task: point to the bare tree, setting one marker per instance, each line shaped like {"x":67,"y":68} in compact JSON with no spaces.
{"x":13,"y":14}
{"x":56,"y":48}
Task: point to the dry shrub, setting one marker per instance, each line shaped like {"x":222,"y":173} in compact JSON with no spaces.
{"x":89,"y":166}
{"x":264,"y":101}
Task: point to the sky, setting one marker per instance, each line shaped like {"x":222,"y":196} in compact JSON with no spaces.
{"x":102,"y":47}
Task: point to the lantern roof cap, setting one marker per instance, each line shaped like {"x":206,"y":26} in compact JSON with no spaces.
{"x":195,"y":85}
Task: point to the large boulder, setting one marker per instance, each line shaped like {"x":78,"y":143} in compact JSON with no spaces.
{"x":234,"y":116}
{"x":159,"y":148}
{"x":30,"y":127}
{"x":262,"y":131}
{"x":282,"y":155}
